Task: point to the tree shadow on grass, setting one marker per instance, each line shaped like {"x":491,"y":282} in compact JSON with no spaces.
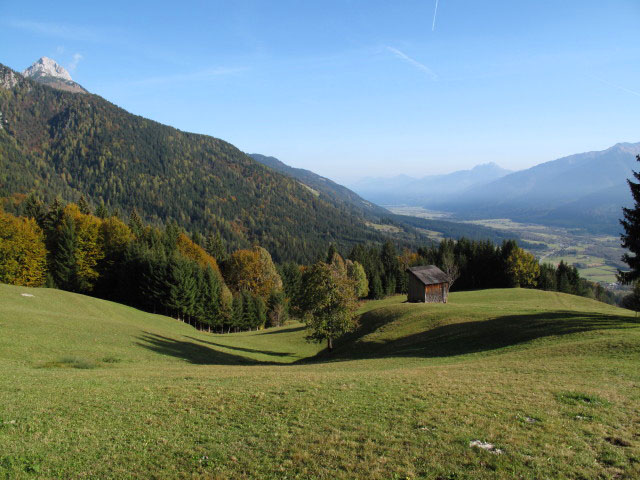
{"x":285,"y":330}
{"x":193,"y":352}
{"x":244,"y":349}
{"x":471,"y":337}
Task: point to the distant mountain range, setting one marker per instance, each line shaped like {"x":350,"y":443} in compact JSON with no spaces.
{"x":406,"y":190}
{"x":585,"y":190}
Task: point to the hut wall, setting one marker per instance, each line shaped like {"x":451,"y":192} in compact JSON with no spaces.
{"x":433,"y":293}
{"x":415,"y":290}
{"x":436,"y":293}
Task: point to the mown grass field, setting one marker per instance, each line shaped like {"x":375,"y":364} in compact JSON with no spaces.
{"x":92,"y":389}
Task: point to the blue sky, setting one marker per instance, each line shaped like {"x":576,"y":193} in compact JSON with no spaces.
{"x":356,"y":88}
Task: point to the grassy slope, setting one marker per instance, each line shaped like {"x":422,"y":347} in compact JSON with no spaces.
{"x":413,"y":386}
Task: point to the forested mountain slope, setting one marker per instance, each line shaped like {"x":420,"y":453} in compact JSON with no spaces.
{"x":56,"y":143}
{"x":324,"y":186}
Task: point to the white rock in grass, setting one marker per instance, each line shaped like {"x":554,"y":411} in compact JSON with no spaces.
{"x":26,"y":295}
{"x":489,"y":447}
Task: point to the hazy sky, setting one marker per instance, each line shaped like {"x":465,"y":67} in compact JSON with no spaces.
{"x":356,"y":88}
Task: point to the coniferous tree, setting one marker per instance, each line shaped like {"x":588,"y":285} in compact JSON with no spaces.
{"x":64,"y":265}
{"x":632,"y":301}
{"x":390,"y":265}
{"x":249,"y":312}
{"x":83,"y":206}
{"x":211,"y":299}
{"x":34,"y":208}
{"x":101,"y":211}
{"x":260,"y":312}
{"x":277,"y":311}
{"x":331,"y":253}
{"x":237,"y":312}
{"x":214,"y":245}
{"x":631,"y":236}
{"x":135,"y":223}
{"x":375,"y":288}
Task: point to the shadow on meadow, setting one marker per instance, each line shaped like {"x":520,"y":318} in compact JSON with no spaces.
{"x":193,"y":352}
{"x":284,"y":330}
{"x":245,"y":349}
{"x":440,"y":341}
{"x":469,"y":337}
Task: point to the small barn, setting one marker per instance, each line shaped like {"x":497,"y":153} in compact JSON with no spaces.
{"x":427,"y":283}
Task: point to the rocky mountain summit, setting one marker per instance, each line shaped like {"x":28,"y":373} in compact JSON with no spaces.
{"x":49,"y":72}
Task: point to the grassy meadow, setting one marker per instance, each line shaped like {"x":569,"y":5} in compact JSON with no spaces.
{"x":93,"y":389}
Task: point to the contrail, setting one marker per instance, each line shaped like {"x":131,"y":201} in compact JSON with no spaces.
{"x":435,"y":12}
{"x":414,"y":62}
{"x":619,"y":87}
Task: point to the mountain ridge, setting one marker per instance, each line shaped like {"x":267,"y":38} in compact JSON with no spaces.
{"x":585,"y":190}
{"x":323,"y":185}
{"x":407,"y":190}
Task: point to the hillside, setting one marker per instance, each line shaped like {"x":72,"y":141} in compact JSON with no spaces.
{"x":95,"y":389}
{"x":57,"y":143}
{"x":324,"y":186}
{"x":586,"y":190}
{"x":338,"y":194}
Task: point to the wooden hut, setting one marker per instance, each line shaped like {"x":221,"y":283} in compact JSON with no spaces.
{"x":427,"y":283}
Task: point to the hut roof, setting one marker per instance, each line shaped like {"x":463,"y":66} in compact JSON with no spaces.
{"x":429,"y":274}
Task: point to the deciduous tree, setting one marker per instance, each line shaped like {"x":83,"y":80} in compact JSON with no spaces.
{"x":23,"y":256}
{"x":328,"y":303}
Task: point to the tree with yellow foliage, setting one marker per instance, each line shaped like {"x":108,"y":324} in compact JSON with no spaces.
{"x":253,"y":270}
{"x":23,"y":256}
{"x":195,"y":252}
{"x":88,"y":246}
{"x":522,"y":268}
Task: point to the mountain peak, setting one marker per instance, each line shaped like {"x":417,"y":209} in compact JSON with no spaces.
{"x":46,"y":67}
{"x":49,"y":72}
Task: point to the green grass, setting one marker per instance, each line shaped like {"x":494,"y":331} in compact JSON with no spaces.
{"x":95,"y":389}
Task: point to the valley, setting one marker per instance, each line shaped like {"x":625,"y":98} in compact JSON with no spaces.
{"x":597,"y":256}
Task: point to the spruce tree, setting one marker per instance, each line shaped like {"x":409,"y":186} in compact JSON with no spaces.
{"x":212,"y":298}
{"x":101,"y":211}
{"x":250,"y":313}
{"x":261,"y":312}
{"x":135,"y":223}
{"x":331,"y":253}
{"x":237,"y":312}
{"x":631,"y":236}
{"x":214,"y":245}
{"x":83,"y":206}
{"x":33,"y":208}
{"x":64,"y":264}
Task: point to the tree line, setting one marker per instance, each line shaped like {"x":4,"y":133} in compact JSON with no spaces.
{"x":197,"y":280}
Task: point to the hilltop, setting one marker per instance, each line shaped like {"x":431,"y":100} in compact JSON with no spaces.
{"x":98,"y":389}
